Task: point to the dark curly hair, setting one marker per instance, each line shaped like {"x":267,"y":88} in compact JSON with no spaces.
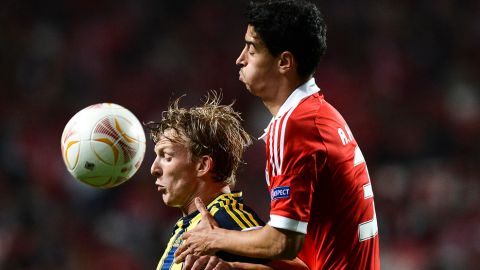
{"x":211,"y":129}
{"x":296,"y":26}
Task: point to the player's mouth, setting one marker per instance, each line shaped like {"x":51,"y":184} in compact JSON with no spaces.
{"x":240,"y":76}
{"x":161,"y":188}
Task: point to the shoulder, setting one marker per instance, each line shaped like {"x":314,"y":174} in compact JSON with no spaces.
{"x":231,"y":213}
{"x":312,"y":108}
{"x":298,"y":128}
{"x":313,"y":116}
{"x":302,"y":116}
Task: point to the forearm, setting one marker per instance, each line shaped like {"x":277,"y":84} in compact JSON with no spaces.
{"x":266,"y":242}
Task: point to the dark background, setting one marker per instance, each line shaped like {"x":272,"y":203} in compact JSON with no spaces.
{"x":404,"y":74}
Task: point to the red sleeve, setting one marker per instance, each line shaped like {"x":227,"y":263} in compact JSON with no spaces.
{"x":291,"y":191}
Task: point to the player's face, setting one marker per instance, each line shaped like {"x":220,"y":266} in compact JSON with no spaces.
{"x":175,"y":171}
{"x":258,"y":68}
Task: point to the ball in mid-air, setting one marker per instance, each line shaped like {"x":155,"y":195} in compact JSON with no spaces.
{"x":103,"y":145}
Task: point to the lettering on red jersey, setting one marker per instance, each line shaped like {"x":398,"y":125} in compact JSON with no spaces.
{"x":346,"y":135}
{"x":369,"y":228}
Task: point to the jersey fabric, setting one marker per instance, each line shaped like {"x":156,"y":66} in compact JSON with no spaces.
{"x":319,"y":183}
{"x":230,"y":213}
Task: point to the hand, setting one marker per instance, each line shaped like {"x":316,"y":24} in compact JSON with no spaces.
{"x":199,"y":240}
{"x":205,"y":262}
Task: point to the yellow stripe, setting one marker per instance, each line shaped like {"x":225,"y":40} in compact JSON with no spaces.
{"x":238,"y":221}
{"x":252,"y":219}
{"x":176,"y":266}
{"x":250,"y":216}
{"x":216,"y":200}
{"x":169,"y":245}
{"x":214,"y":210}
{"x":195,"y":220}
{"x":234,"y":204}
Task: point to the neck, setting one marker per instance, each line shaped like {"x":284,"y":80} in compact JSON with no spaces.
{"x":207,"y":193}
{"x":273,"y":105}
{"x":281,"y":94}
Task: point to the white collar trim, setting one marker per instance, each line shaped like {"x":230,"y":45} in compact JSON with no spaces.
{"x":303,"y":91}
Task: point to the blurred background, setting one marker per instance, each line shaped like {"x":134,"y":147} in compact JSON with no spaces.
{"x":404,"y":74}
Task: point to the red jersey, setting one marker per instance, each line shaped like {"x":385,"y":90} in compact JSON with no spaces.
{"x":319,"y":183}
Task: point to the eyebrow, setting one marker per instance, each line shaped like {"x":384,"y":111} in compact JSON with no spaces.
{"x":248,"y":42}
{"x":158,"y":148}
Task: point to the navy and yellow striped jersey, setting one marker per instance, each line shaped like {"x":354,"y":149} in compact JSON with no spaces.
{"x":230,"y":213}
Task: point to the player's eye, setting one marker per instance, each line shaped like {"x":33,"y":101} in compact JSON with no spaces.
{"x":166,"y":156}
{"x":250,"y":49}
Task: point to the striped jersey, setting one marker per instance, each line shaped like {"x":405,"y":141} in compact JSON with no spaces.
{"x":319,"y":184}
{"x":230,"y":213}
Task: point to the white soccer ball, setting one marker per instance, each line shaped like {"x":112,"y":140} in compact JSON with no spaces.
{"x":103,"y":145}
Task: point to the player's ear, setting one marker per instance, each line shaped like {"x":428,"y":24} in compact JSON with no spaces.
{"x":204,"y":165}
{"x":286,"y":62}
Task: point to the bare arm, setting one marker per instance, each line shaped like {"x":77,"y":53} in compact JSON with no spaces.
{"x":267,"y":242}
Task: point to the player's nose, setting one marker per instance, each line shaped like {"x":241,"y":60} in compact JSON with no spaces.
{"x":241,"y":59}
{"x":155,"y":169}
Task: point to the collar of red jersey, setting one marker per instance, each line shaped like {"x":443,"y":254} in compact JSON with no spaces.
{"x":303,"y":91}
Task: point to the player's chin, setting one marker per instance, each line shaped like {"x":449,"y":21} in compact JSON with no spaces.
{"x":251,"y":90}
{"x":167,"y":200}
{"x":247,"y":86}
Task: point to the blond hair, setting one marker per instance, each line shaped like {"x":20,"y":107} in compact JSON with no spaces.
{"x":210,"y":129}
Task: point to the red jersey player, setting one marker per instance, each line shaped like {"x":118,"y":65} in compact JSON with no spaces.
{"x":322,"y":207}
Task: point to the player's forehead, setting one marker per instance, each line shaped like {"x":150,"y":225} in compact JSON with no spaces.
{"x":162,"y":143}
{"x":170,"y":139}
{"x":252,"y":37}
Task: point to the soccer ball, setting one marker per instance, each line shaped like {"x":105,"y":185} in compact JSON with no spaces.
{"x":103,"y":145}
